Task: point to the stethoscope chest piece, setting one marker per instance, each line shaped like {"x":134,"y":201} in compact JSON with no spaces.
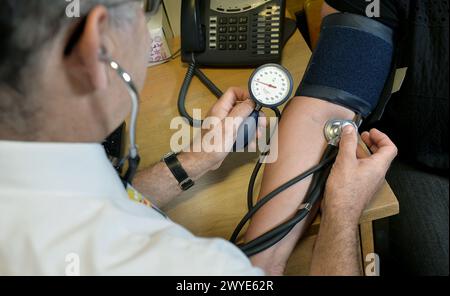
{"x":333,"y":130}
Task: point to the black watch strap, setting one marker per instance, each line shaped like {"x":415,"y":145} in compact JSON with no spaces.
{"x":174,"y":165}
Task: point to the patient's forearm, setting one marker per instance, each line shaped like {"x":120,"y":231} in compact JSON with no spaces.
{"x":300,"y":147}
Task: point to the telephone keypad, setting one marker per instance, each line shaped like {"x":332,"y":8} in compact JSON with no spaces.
{"x":257,"y":32}
{"x":232,"y":33}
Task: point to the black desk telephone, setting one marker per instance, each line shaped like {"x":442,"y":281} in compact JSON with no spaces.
{"x":232,"y":32}
{"x":229,"y":33}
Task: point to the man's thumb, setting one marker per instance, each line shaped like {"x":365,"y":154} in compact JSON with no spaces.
{"x":349,"y":143}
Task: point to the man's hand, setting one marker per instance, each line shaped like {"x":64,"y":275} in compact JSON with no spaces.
{"x":354,"y":181}
{"x":159,"y":182}
{"x":223,"y":122}
{"x":356,"y":176}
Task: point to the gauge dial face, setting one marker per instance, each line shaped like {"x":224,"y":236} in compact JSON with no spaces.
{"x":271,"y":85}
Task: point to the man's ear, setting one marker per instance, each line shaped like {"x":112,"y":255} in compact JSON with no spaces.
{"x":83,"y":49}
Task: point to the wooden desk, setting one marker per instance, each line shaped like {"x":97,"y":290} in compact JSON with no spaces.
{"x":216,"y":204}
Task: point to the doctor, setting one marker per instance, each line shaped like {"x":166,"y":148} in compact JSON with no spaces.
{"x":64,"y":210}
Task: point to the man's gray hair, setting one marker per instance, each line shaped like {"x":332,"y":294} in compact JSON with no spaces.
{"x":26,"y":26}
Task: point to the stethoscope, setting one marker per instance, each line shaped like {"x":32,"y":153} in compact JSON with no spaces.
{"x":132,"y":157}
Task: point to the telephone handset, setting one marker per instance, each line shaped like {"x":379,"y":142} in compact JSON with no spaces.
{"x":192,"y":29}
{"x":232,"y":32}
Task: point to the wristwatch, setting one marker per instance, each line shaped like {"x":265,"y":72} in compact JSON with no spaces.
{"x":174,"y":165}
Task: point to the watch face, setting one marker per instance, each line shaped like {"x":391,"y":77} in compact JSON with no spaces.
{"x":271,"y":85}
{"x":186,"y":185}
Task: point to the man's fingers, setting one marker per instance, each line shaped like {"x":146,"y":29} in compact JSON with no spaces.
{"x":262,"y":126}
{"x":364,"y":144}
{"x":383,"y":148}
{"x":242,"y":109}
{"x":362,"y":151}
{"x":262,"y":121}
{"x":348,"y":144}
{"x":365,"y":136}
{"x":369,"y":143}
{"x":226,"y":103}
{"x":380,"y":139}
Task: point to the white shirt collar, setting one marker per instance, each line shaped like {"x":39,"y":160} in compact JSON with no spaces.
{"x":81,"y":169}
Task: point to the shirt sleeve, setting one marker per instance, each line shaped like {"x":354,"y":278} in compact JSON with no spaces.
{"x":389,"y":11}
{"x":135,"y":245}
{"x":169,"y":254}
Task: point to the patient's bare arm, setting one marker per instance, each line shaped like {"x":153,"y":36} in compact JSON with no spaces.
{"x":301,"y":145}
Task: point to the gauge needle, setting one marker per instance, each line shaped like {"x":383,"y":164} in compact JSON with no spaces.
{"x":266,"y":84}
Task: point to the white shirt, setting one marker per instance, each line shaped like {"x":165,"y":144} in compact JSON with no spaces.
{"x":64,"y":211}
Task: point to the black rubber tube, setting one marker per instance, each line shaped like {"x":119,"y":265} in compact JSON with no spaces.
{"x":191,"y":72}
{"x":314,"y":195}
{"x":276,"y":192}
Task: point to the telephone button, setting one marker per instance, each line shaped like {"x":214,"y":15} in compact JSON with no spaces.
{"x":222,"y":29}
{"x":222,"y":38}
{"x":222,"y":46}
{"x":242,"y":46}
{"x":232,"y":29}
{"x":233,"y":20}
{"x":232,"y":46}
{"x":243,"y":29}
{"x":223,"y":21}
{"x":232,"y":38}
{"x":242,"y":37}
{"x":243,"y":20}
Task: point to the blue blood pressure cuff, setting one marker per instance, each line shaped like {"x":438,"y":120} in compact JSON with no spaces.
{"x":351,"y":64}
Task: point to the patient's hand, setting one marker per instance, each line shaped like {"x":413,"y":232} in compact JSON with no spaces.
{"x":356,"y":176}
